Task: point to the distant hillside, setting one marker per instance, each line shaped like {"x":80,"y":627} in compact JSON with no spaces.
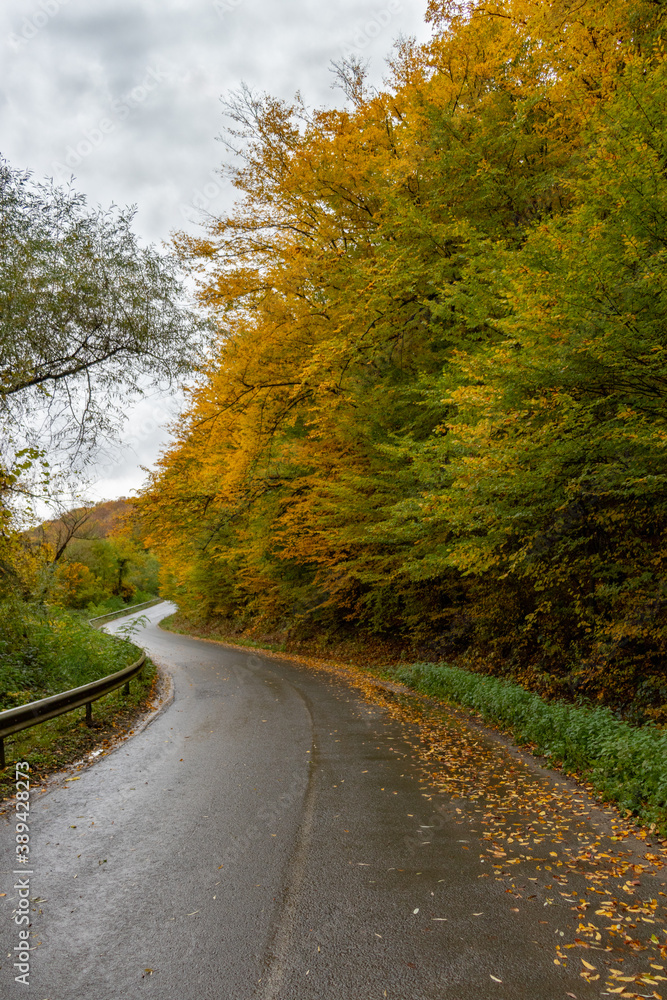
{"x":83,"y":522}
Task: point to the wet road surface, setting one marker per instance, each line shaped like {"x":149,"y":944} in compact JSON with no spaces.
{"x":267,"y":836}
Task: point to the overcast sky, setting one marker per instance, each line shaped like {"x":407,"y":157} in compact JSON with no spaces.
{"x":125,"y":95}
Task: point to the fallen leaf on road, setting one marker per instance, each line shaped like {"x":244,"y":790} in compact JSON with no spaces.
{"x":514,"y":812}
{"x":495,"y":979}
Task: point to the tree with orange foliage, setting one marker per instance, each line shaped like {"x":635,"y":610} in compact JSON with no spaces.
{"x":419,"y":337}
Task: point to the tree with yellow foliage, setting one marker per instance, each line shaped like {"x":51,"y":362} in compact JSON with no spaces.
{"x":435,"y":407}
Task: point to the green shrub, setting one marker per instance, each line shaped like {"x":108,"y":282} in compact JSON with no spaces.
{"x":44,"y":650}
{"x":626,"y":764}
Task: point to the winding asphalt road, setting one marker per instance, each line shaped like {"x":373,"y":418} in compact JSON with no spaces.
{"x":266,"y":836}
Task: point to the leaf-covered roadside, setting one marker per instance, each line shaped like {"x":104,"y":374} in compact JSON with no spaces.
{"x":541,"y":836}
{"x":625,"y":764}
{"x":605,"y":880}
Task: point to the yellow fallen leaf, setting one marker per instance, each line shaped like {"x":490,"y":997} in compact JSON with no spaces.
{"x":495,"y":979}
{"x":588,"y":965}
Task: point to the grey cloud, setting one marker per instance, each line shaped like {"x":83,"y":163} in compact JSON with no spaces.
{"x":82,"y":59}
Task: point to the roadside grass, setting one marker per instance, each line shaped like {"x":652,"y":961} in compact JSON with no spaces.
{"x":113,"y":613}
{"x":110,"y":604}
{"x":45,"y":650}
{"x":53,"y":745}
{"x":625,"y":764}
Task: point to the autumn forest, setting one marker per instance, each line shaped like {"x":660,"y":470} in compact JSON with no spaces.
{"x":434,"y":411}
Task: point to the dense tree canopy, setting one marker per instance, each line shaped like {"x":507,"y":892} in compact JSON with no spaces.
{"x":436,"y":406}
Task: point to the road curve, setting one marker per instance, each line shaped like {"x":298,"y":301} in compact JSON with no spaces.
{"x":267,"y":837}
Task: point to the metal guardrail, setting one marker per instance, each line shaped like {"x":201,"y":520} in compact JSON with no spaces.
{"x":125,"y":611}
{"x":13,"y":720}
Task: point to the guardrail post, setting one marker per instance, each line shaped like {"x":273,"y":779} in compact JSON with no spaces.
{"x":2,"y":752}
{"x":126,"y":688}
{"x":15,"y":720}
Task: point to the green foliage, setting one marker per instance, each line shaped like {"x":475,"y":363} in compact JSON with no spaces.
{"x":626,"y":764}
{"x":89,"y":318}
{"x":90,"y":558}
{"x":436,"y":410}
{"x":94,"y":571}
{"x":87,"y":315}
{"x":110,"y":604}
{"x":67,"y":739}
{"x":44,"y":650}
